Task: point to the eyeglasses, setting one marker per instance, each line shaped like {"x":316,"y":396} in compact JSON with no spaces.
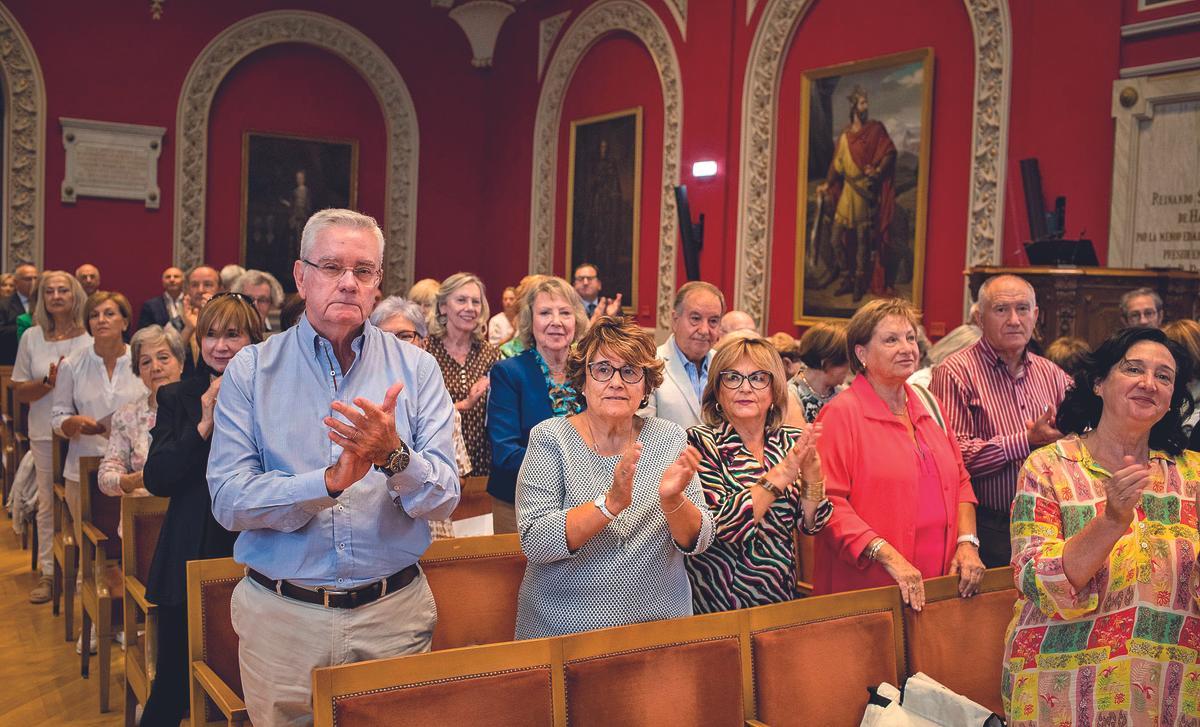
{"x":602,"y":371}
{"x":332,"y":271}
{"x":408,"y":336}
{"x":584,"y":278}
{"x":733,"y":379}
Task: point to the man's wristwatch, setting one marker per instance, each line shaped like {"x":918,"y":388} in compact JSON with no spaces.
{"x":396,"y":461}
{"x":969,"y":538}
{"x":600,"y":504}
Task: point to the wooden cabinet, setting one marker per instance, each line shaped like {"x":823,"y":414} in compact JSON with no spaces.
{"x":1085,"y":302}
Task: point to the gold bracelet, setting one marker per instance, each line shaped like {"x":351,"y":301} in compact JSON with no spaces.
{"x":813,"y":492}
{"x":872,"y":551}
{"x":676,"y":508}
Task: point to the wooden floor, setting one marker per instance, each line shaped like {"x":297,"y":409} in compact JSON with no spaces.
{"x":39,"y":670}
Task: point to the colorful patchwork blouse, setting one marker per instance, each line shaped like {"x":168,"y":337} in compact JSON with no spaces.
{"x":1125,"y":649}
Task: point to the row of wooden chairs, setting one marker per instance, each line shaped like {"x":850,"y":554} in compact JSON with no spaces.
{"x":805,"y":662}
{"x":832,"y":648}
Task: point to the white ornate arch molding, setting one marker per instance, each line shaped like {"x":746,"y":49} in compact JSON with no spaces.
{"x":756,"y":181}
{"x":630,"y":16}
{"x":290,"y":26}
{"x":24,"y":144}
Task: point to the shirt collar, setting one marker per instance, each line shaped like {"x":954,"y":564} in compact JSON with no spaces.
{"x":1072,"y":448}
{"x":992,"y":357}
{"x":683,"y":359}
{"x":308,"y":333}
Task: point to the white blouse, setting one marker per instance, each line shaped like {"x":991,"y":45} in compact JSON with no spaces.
{"x":84,"y":388}
{"x":34,"y":356}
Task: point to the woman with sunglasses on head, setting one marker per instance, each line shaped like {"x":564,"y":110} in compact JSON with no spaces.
{"x":762,"y":481}
{"x":531,"y":387}
{"x":175,"y":468}
{"x":608,"y":503}
{"x":903,"y":506}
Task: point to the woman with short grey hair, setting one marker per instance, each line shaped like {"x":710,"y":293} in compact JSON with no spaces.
{"x":405,"y":319}
{"x":264,"y":291}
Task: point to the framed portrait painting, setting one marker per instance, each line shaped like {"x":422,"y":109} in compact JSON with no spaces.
{"x":604,"y":182}
{"x":284,"y":180}
{"x":863,"y":181}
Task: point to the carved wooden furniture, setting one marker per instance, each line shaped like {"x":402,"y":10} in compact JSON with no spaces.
{"x":1085,"y":302}
{"x":99,"y":552}
{"x":141,"y":521}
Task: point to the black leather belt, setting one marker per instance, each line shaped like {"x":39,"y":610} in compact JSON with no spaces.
{"x":334,"y":597}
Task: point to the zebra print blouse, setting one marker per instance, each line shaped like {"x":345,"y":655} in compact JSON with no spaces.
{"x":749,"y":563}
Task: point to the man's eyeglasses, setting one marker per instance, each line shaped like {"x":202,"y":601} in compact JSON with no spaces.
{"x":584,"y":278}
{"x":733,"y":379}
{"x":603,"y":371}
{"x":332,"y":271}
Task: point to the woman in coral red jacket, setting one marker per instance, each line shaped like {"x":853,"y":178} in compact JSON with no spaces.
{"x":903,"y":508}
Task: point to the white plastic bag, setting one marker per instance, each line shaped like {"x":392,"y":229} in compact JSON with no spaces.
{"x":925,"y":703}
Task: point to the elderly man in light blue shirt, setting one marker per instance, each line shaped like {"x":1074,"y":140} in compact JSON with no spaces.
{"x":332,"y":450}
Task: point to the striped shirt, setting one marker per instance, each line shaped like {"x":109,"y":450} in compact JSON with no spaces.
{"x":988,"y":406}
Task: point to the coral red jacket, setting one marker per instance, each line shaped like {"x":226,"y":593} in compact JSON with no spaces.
{"x":870,"y":466}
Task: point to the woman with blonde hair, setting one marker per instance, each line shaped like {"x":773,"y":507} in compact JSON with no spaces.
{"x":762,"y":481}
{"x":424,"y":293}
{"x":531,"y":387}
{"x":458,"y":342}
{"x":58,"y":332}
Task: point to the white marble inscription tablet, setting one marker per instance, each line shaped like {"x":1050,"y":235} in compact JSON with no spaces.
{"x":106,"y":159}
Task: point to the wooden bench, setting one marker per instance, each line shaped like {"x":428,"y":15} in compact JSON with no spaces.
{"x":99,"y":551}
{"x":805,"y":662}
{"x":141,"y":522}
{"x":474,"y":582}
{"x":473,"y":500}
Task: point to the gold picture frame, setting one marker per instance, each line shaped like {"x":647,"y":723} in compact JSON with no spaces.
{"x":888,"y":201}
{"x":285,"y":178}
{"x":605,"y":168}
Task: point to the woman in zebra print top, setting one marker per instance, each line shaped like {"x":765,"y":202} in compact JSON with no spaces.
{"x":761,"y":481}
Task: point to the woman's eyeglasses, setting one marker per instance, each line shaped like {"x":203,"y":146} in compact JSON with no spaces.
{"x":408,"y":336}
{"x":602,"y":371}
{"x":733,"y":379}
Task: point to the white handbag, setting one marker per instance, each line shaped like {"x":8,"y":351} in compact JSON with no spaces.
{"x":924,"y":703}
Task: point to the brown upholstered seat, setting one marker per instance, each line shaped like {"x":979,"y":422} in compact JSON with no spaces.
{"x":474,"y":499}
{"x":679,"y":672}
{"x":475,"y":583}
{"x":960,"y":642}
{"x":814,"y":658}
{"x":506,"y":685}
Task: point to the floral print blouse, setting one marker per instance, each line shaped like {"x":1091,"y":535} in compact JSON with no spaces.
{"x":128,"y":444}
{"x":1125,"y":649}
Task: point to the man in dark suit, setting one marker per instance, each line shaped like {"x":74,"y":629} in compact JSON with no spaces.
{"x":168,"y":307}
{"x":19,"y":303}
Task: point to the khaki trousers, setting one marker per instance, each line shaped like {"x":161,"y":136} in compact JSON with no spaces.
{"x":283,"y":640}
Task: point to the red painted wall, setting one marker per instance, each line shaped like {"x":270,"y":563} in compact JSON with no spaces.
{"x":114,"y":63}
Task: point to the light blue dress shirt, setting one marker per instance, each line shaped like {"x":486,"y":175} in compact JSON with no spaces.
{"x":270,"y":449}
{"x":698,"y":375}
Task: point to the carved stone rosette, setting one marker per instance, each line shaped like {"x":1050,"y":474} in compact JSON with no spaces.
{"x":756,"y":179}
{"x":630,"y":16}
{"x":291,"y":26}
{"x":24,"y":145}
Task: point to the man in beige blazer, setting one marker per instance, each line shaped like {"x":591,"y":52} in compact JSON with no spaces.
{"x":695,"y":328}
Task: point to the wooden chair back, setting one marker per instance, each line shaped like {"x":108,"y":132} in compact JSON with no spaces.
{"x":99,"y":510}
{"x":5,"y":379}
{"x":474,"y":500}
{"x":475,"y":583}
{"x":960,"y":641}
{"x":515,"y":684}
{"x":212,"y":643}
{"x":814,"y":658}
{"x":58,"y":457}
{"x":141,"y":522}
{"x":686,"y":671}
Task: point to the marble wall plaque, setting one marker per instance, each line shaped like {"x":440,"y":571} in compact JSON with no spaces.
{"x":1155,"y":214}
{"x":106,"y":159}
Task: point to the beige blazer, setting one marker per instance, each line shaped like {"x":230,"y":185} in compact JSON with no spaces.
{"x":675,"y":400}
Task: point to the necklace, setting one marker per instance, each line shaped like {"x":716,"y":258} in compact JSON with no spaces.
{"x":617,"y":525}
{"x":828,"y":393}
{"x":587,"y":420}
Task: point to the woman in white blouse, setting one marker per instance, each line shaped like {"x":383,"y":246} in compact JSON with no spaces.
{"x":93,"y":383}
{"x":157,"y":357}
{"x":56,"y":333}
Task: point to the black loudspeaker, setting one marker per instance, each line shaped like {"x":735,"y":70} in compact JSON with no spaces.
{"x":1035,"y":206}
{"x":691,"y":235}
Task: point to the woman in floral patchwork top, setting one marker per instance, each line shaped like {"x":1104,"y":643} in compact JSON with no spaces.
{"x":1106,"y":630}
